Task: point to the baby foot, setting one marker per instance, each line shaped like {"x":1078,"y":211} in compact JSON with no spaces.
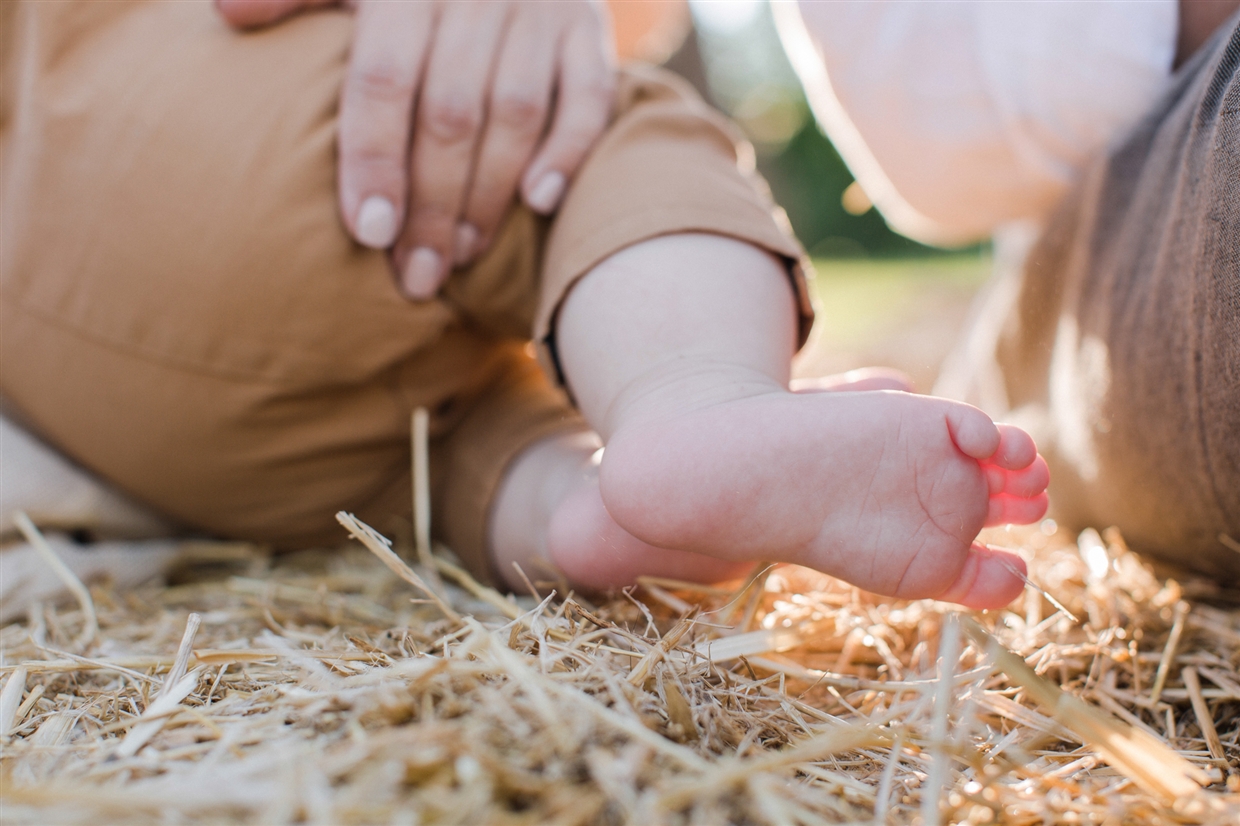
{"x":592,"y":551}
{"x":549,"y":519}
{"x":583,"y":541}
{"x":886,"y":490}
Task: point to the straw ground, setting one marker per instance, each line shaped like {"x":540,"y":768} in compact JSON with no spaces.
{"x":329,"y":688}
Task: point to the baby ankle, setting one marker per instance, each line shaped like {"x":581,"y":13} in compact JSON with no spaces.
{"x":683,"y":386}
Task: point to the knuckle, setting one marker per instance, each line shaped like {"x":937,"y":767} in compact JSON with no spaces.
{"x":487,"y":198}
{"x":378,"y":165}
{"x":519,"y":111}
{"x":432,"y":221}
{"x":450,"y":118}
{"x":370,"y":146}
{"x":381,"y":81}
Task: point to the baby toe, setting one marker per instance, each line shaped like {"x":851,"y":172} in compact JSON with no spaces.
{"x":1016,"y":448}
{"x":1026,"y":482}
{"x":1005,"y":509}
{"x":996,"y":478}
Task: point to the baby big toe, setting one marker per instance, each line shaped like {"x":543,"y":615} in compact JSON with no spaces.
{"x":990,"y":579}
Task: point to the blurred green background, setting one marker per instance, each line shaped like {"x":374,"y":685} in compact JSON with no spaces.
{"x":742,"y":68}
{"x":883,"y":299}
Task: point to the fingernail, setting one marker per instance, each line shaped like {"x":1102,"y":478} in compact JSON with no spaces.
{"x":422,"y":273}
{"x":466,"y":241}
{"x":376,"y":223}
{"x":545,"y":195}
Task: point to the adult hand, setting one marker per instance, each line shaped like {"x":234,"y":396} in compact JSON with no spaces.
{"x":449,"y":108}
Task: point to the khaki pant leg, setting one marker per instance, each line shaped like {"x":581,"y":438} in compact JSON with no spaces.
{"x":182,"y":312}
{"x":1121,"y":346}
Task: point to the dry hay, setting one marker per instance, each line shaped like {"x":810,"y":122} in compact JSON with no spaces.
{"x":312,"y":688}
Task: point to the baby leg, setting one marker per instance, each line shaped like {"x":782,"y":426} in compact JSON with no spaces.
{"x":677,"y":351}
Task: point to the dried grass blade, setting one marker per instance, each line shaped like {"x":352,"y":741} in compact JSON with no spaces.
{"x":1029,"y":583}
{"x":732,"y":773}
{"x":227,"y":656}
{"x":568,"y":694}
{"x":1149,"y":762}
{"x":840,"y":739}
{"x":177,"y":686}
{"x":10,"y":701}
{"x":55,"y":729}
{"x":882,"y":798}
{"x":1168,"y":654}
{"x":642,"y":670}
{"x":726,"y":649}
{"x":665,"y":597}
{"x":752,"y":588}
{"x":184,"y":651}
{"x":378,"y":545}
{"x":71,"y":581}
{"x":24,"y":708}
{"x":420,"y":436}
{"x":1124,"y":714}
{"x":153,"y":718}
{"x":683,"y":585}
{"x":940,"y":767}
{"x":1205,"y":721}
{"x":421,"y":485}
{"x":1228,"y":685}
{"x":476,"y":589}
{"x":75,"y":662}
{"x":679,"y":712}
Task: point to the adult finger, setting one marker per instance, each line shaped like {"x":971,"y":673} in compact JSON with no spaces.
{"x":376,"y":105}
{"x":516,"y":117}
{"x":586,"y":91}
{"x":446,"y":130}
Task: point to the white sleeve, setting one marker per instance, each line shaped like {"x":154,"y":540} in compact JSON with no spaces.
{"x":959,"y":116}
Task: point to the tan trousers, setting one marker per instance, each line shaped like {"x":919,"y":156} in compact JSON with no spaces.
{"x":182,"y":313}
{"x":1118,"y":340}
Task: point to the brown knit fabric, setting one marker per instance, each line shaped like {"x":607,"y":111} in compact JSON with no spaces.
{"x":1121,"y":345}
